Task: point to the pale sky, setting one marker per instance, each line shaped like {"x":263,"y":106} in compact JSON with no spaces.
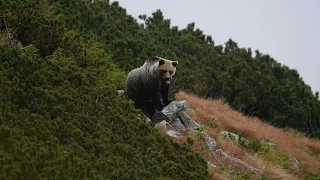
{"x":287,"y":30}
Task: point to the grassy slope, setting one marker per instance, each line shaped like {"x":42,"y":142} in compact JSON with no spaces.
{"x":215,"y":116}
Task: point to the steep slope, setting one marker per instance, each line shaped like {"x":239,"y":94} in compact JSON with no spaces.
{"x":217,"y":117}
{"x":254,"y":83}
{"x":62,"y":121}
{"x":59,"y":113}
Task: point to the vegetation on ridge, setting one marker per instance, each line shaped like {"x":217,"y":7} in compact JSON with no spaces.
{"x":60,"y":65}
{"x":256,"y":85}
{"x":60,"y":116}
{"x":274,"y":161}
{"x":61,"y":121}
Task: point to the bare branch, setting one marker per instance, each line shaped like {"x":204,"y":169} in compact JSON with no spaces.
{"x":10,"y":35}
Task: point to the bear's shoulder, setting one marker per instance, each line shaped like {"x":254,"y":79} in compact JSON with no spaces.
{"x":154,"y":59}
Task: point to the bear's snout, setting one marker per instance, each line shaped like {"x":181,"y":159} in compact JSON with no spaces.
{"x":167,"y":80}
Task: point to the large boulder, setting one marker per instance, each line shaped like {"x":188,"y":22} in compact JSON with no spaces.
{"x":175,"y":115}
{"x":174,"y":121}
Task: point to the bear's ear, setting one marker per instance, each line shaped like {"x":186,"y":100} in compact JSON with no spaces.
{"x":161,"y":62}
{"x":174,"y":63}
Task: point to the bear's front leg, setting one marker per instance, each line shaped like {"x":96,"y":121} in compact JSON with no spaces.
{"x":158,"y":102}
{"x":165,"y":95}
{"x":151,"y":110}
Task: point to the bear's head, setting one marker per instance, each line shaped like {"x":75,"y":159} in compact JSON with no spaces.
{"x":167,"y":69}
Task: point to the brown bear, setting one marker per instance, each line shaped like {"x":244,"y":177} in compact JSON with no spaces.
{"x":148,"y":85}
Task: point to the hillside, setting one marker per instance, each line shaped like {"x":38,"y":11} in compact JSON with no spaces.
{"x":256,"y":85}
{"x":62,"y":62}
{"x":216,"y":118}
{"x":62,"y":121}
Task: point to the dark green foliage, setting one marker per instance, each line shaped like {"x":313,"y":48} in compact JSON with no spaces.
{"x":62,"y":121}
{"x":60,"y":115}
{"x":34,"y":22}
{"x":256,"y":85}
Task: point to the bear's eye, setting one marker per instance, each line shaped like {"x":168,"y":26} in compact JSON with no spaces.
{"x":170,"y":72}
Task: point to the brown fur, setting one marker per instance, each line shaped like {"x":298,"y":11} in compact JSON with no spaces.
{"x":167,"y":68}
{"x":150,"y":83}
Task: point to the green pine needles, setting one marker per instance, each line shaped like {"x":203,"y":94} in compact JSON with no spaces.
{"x":62,"y":121}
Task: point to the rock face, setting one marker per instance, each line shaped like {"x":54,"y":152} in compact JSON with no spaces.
{"x":172,"y":110}
{"x":174,"y":121}
{"x":175,"y":116}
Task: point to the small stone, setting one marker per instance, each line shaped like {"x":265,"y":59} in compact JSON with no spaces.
{"x":169,"y":127}
{"x":295,"y":163}
{"x":211,"y":143}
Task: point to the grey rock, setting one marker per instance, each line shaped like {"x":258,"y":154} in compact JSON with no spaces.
{"x":295,"y":163}
{"x":188,"y":122}
{"x":169,"y":127}
{"x":233,"y":136}
{"x":172,"y":110}
{"x":174,"y":134}
{"x":211,"y":143}
{"x":178,"y":126}
{"x":177,"y":120}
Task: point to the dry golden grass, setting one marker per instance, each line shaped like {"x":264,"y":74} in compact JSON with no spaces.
{"x":216,"y":176}
{"x":300,"y":147}
{"x":229,"y":146}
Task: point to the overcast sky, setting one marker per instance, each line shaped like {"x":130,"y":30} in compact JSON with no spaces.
{"x":287,"y":30}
